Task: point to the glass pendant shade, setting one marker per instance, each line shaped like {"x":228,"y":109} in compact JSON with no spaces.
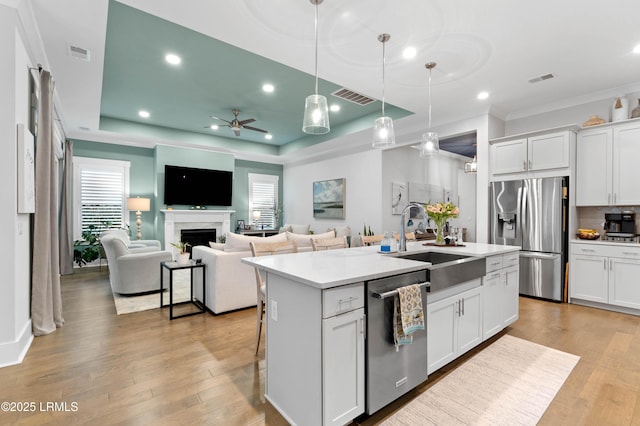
{"x":383,"y":134}
{"x":316,"y":115}
{"x":429,"y":145}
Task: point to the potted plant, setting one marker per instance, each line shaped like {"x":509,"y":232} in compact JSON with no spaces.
{"x":183,"y":255}
{"x":87,"y":249}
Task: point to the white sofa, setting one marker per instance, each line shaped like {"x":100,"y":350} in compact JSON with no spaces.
{"x":231,"y":284}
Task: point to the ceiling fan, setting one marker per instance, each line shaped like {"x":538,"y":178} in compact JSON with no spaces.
{"x":236,"y":124}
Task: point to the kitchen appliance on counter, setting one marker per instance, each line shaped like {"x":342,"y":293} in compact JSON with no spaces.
{"x":620,"y":227}
{"x":532,"y":214}
{"x":390,"y":373}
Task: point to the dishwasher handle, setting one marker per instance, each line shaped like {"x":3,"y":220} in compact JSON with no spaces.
{"x":392,"y":293}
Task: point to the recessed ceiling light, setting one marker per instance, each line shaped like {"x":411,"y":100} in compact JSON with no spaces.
{"x":409,"y":52}
{"x":268,"y":88}
{"x":483,"y":95}
{"x":268,"y":137}
{"x":214,"y":127}
{"x":144,"y":114}
{"x":334,"y":108}
{"x":636,"y":49}
{"x":173,"y":59}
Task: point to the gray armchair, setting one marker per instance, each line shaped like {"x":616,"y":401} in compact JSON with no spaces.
{"x":132,"y":270}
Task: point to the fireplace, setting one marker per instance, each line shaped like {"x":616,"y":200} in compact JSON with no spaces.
{"x":176,"y":221}
{"x":197,"y":237}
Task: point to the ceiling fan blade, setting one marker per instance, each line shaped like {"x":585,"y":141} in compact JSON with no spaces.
{"x":221,"y":119}
{"x":236,"y":131}
{"x":247,"y":121}
{"x":255,"y":129}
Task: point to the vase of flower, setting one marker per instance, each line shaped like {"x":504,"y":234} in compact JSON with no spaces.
{"x":440,"y":224}
{"x":440,"y":213}
{"x":183,"y":254}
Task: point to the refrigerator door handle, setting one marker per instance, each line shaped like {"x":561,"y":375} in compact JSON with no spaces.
{"x":538,"y":255}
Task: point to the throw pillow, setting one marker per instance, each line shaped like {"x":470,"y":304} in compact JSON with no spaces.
{"x":217,"y":246}
{"x":238,"y":242}
{"x":284,"y":228}
{"x":300,"y":229}
{"x":342,"y":231}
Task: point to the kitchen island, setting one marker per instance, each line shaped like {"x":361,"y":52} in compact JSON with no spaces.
{"x":315,"y":334}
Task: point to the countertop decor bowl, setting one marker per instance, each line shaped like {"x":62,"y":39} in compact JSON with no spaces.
{"x":591,"y":236}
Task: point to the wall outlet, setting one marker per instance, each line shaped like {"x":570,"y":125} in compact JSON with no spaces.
{"x":274,"y":310}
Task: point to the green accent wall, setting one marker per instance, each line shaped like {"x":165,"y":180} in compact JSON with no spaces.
{"x":141,"y":174}
{"x":146,"y":177}
{"x":241,"y":186}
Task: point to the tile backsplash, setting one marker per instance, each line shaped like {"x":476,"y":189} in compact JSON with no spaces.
{"x":593,"y":217}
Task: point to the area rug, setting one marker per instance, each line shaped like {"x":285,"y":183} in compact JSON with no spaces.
{"x":181,"y":293}
{"x":511,"y":382}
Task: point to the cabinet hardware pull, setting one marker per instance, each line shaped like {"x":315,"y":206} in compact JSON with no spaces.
{"x":610,"y":265}
{"x":630,"y":253}
{"x":530,"y":164}
{"x":458,"y":310}
{"x":463,"y":306}
{"x":609,"y":198}
{"x":588,"y":250}
{"x":364,"y":326}
{"x":524,"y":165}
{"x":605,"y":264}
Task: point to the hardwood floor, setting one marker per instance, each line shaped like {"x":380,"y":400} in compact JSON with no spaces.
{"x":142,"y":368}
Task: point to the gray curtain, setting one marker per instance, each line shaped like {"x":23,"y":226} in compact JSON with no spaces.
{"x":46,"y":300}
{"x":66,"y":209}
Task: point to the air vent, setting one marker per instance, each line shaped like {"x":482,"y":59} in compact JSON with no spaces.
{"x":542,"y":78}
{"x":351,"y":96}
{"x":79,"y":52}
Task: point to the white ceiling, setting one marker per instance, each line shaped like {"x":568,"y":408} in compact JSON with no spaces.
{"x":495,"y":45}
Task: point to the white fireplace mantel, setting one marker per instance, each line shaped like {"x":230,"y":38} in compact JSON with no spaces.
{"x":174,"y":220}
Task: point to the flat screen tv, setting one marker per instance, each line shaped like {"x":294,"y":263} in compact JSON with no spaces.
{"x":197,"y":187}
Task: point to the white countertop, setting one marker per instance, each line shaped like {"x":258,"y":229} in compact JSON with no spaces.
{"x":608,"y":243}
{"x":333,"y":268}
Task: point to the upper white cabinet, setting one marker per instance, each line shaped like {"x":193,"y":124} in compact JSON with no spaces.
{"x":527,"y":154}
{"x":606,"y":165}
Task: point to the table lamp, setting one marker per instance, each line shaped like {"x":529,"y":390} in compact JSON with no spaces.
{"x":139,"y":205}
{"x":256,"y":217}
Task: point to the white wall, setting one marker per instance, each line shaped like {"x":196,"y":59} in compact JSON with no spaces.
{"x":576,"y":114}
{"x":363,"y":179}
{"x":403,"y":164}
{"x":15,"y":324}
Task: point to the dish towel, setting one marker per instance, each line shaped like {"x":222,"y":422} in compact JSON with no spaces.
{"x":408,"y":315}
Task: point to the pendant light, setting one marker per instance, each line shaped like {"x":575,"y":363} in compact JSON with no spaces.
{"x":383,"y":135}
{"x":430,"y":144}
{"x":316,"y":112}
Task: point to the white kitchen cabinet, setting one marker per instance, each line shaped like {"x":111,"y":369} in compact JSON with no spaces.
{"x":606,"y":166}
{"x":454,"y":325}
{"x":589,"y":278}
{"x":315,"y":351}
{"x":343,"y":367}
{"x":500,"y":288}
{"x":623,"y":282}
{"x":605,"y":274}
{"x":538,"y":152}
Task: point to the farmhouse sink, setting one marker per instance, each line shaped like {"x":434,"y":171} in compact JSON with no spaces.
{"x":448,"y":269}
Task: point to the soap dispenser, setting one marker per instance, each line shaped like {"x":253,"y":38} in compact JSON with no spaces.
{"x":385,"y":244}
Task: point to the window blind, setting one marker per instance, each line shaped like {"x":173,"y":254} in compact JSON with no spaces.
{"x":263,"y":198}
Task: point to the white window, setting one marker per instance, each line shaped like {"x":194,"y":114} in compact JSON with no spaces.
{"x":263,"y":200}
{"x":100,"y":192}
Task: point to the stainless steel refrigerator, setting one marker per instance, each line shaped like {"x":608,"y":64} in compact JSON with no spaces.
{"x":532,"y":213}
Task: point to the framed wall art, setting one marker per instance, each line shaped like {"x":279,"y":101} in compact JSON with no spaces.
{"x":328,"y":199}
{"x":399,"y":197}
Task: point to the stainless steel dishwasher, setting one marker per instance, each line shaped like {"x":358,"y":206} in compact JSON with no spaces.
{"x":391,"y":374}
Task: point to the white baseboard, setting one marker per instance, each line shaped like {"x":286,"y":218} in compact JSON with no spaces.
{"x":12,"y":353}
